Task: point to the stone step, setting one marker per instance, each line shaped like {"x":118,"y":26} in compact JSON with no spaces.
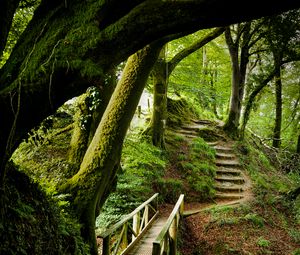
{"x":193,"y":128}
{"x":223,"y":149}
{"x":222,"y":155}
{"x":222,"y":195}
{"x":213,"y":144}
{"x":228,"y":171}
{"x":224,"y":188}
{"x":228,"y":163}
{"x":188,"y":132}
{"x":230,"y":179}
{"x":204,"y":122}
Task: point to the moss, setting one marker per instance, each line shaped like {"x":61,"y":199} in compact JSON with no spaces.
{"x":57,"y":39}
{"x":179,"y":112}
{"x":37,"y":224}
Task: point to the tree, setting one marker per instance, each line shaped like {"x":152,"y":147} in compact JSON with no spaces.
{"x":91,"y":184}
{"x":281,"y":40}
{"x":61,"y":54}
{"x":246,"y":36}
{"x":161,"y":73}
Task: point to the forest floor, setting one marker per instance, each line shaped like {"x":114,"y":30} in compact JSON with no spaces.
{"x":238,"y":221}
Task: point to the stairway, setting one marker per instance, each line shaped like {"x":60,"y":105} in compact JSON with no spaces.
{"x":231,"y":183}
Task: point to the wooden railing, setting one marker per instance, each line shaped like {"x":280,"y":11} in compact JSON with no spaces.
{"x":122,"y":236}
{"x":166,"y":241}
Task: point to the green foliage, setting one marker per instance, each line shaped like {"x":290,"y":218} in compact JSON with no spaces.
{"x":204,"y":76}
{"x":169,"y":189}
{"x":199,"y":169}
{"x":142,"y":165}
{"x":295,"y":234}
{"x":262,"y":242}
{"x":20,"y":21}
{"x":268,"y":182}
{"x":296,"y":252}
{"x":180,"y":111}
{"x":255,"y":219}
{"x":38,"y":224}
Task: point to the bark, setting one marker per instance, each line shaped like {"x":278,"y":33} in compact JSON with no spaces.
{"x":61,"y":54}
{"x":82,"y":122}
{"x":232,"y":122}
{"x":298,"y":145}
{"x":86,"y":120}
{"x":7,"y":11}
{"x":239,"y":55}
{"x":278,"y":112}
{"x":259,"y":88}
{"x":160,"y":87}
{"x":91,"y":184}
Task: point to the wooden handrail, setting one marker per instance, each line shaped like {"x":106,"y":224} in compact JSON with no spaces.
{"x":166,"y":241}
{"x":137,"y":230}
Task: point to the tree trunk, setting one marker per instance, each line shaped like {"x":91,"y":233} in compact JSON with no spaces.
{"x":7,"y":11}
{"x":82,"y":121}
{"x":239,"y":67}
{"x":161,"y":73}
{"x":91,"y":107}
{"x":160,"y":88}
{"x":251,"y":99}
{"x":90,"y":186}
{"x":232,"y":122}
{"x":278,"y":114}
{"x":298,"y":145}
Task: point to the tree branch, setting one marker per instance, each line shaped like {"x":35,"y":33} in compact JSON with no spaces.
{"x":194,"y":47}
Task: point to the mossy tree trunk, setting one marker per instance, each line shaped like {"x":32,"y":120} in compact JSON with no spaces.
{"x":79,"y":140}
{"x":160,"y":88}
{"x":90,"y":186}
{"x":7,"y":11}
{"x":90,"y":108}
{"x":239,"y":55}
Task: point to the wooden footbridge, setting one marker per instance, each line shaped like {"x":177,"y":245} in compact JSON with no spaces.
{"x":144,"y":231}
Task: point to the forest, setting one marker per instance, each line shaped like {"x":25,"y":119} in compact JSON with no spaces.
{"x":104,"y":103}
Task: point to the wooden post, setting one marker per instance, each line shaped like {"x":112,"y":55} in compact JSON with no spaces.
{"x":106,"y":246}
{"x":136,"y":224}
{"x":165,"y":248}
{"x":156,"y":249}
{"x":139,"y":111}
{"x":173,"y":236}
{"x":181,"y":209}
{"x":124,"y":237}
{"x":146,"y":215}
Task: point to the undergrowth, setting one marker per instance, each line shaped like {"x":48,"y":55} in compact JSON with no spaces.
{"x":142,"y":164}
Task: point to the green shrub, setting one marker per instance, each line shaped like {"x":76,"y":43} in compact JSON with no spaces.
{"x":169,"y":189}
{"x":255,"y":219}
{"x":261,"y":242}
